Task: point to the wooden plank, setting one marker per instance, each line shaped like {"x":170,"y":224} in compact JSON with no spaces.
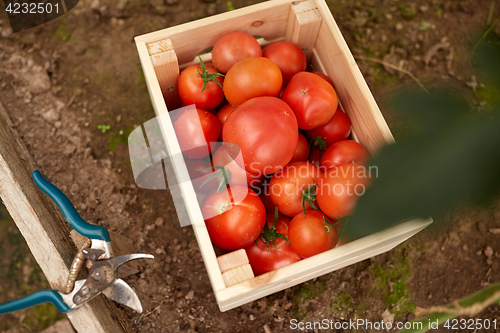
{"x":186,"y":188}
{"x":267,"y":19}
{"x":167,"y":70}
{"x":45,"y":231}
{"x":352,"y":90}
{"x":237,"y":275}
{"x":317,"y":265}
{"x":232,"y":260}
{"x":303,"y":25}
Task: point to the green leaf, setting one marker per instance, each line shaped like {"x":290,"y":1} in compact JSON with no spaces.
{"x":442,"y":317}
{"x":454,"y":158}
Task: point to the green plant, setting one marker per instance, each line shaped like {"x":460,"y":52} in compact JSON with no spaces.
{"x":103,"y":128}
{"x":230,"y":6}
{"x":450,"y":155}
{"x":425,"y":26}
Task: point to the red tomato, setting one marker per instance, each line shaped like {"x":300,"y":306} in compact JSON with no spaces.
{"x":302,"y":150}
{"x":311,"y":235}
{"x":199,"y":171}
{"x":265,"y":129}
{"x":336,"y":129}
{"x":339,"y":189}
{"x":342,"y":152}
{"x":191,"y":83}
{"x":293,"y":187}
{"x":277,"y":253}
{"x":252,"y":77}
{"x":265,"y":196}
{"x":233,"y":47}
{"x":237,"y":173}
{"x":234,"y":224}
{"x":288,"y":56}
{"x":325,"y":77}
{"x":224,"y":112}
{"x":312,"y":99}
{"x":195,"y":129}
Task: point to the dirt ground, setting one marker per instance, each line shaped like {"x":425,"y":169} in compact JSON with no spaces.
{"x":62,"y":80}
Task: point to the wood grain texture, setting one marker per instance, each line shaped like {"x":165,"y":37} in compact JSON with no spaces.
{"x":303,"y":25}
{"x":185,"y":188}
{"x":237,"y":275}
{"x":267,"y":19}
{"x":44,"y":229}
{"x":166,"y":68}
{"x":352,"y":90}
{"x":317,"y":265}
{"x":232,"y":260}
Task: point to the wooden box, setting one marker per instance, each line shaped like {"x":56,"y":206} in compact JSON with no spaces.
{"x":309,"y":24}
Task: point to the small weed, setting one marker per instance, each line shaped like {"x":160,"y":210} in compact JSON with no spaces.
{"x":230,"y":6}
{"x":425,"y":26}
{"x":103,"y":128}
{"x":342,"y":303}
{"x":391,"y":283}
{"x":307,"y":292}
{"x":62,"y":32}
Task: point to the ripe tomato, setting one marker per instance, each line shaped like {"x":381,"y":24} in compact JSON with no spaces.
{"x":265,"y":129}
{"x":336,"y":129}
{"x":237,"y":173}
{"x":233,"y":47}
{"x":302,"y":150}
{"x":339,"y":189}
{"x":288,"y":56}
{"x":224,"y":112}
{"x":233,"y":224}
{"x":311,"y":235}
{"x":200,"y":85}
{"x":342,"y":152}
{"x":195,"y":129}
{"x":293,"y":188}
{"x":265,"y":196}
{"x":325,"y":77}
{"x":252,"y":77}
{"x":270,"y":252}
{"x":312,"y":99}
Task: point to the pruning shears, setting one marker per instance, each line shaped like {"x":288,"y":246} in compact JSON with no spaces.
{"x":97,"y":250}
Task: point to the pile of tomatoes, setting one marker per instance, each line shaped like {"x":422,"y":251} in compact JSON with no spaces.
{"x":268,"y":152}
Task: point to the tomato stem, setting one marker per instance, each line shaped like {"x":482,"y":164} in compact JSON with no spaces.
{"x":269,"y":235}
{"x":309,"y":195}
{"x":208,"y":77}
{"x":223,"y":175}
{"x":332,"y":224}
{"x":312,"y":67}
{"x":319,"y":142}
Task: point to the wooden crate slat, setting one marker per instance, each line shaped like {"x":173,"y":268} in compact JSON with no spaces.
{"x":232,"y":260}
{"x":237,"y":275}
{"x":267,"y":19}
{"x":303,"y":25}
{"x":192,"y":207}
{"x":167,"y":70}
{"x":352,"y":89}
{"x":43,"y":228}
{"x":318,"y":265}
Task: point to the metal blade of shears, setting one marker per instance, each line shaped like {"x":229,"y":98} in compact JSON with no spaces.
{"x":122,"y":293}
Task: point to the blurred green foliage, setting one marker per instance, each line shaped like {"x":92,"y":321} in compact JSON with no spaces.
{"x":451,"y":155}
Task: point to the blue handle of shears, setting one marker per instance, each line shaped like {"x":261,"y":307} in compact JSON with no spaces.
{"x":86,"y":229}
{"x":36,"y":298}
